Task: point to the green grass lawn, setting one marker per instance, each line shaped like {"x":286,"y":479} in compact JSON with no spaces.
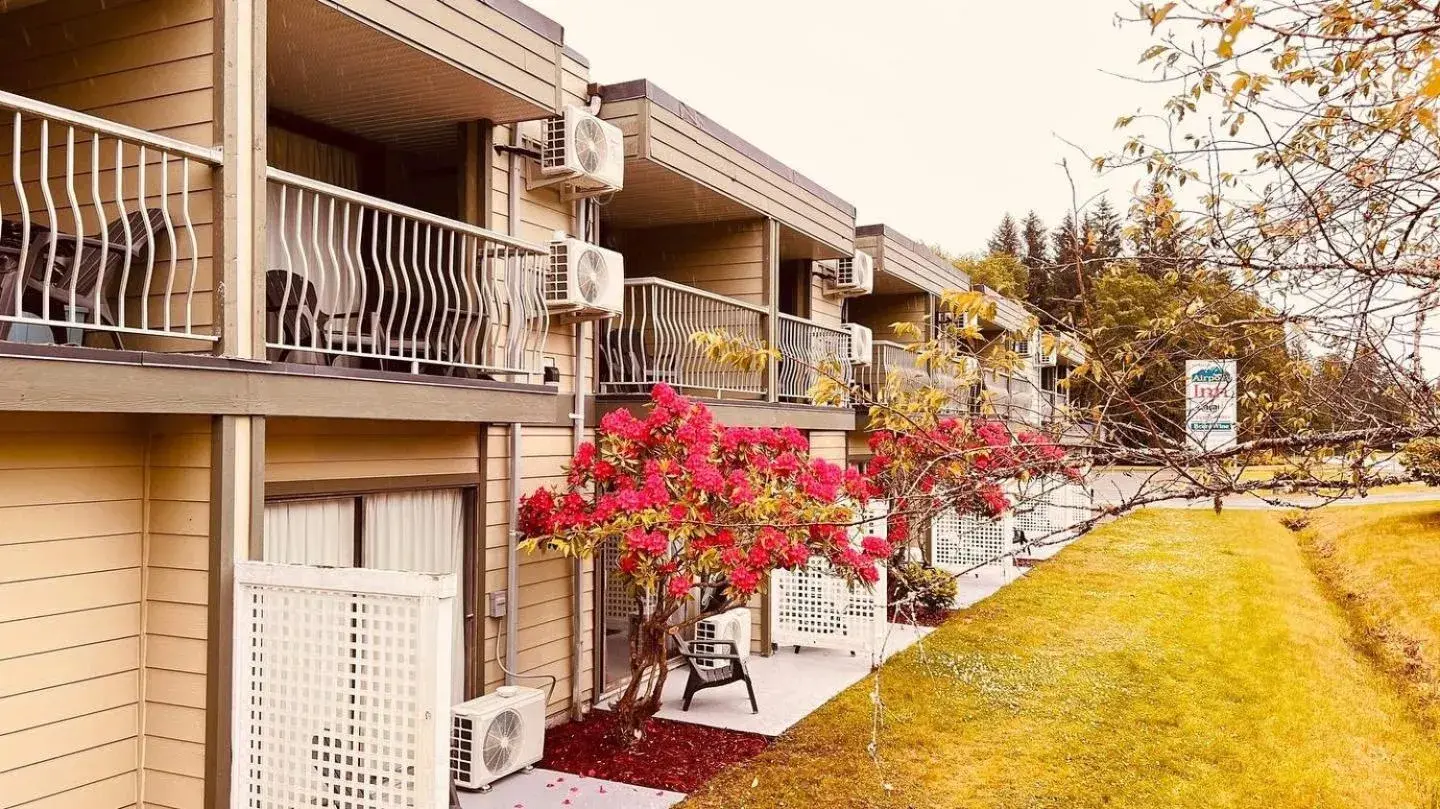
{"x":1383,"y":563}
{"x":1171,"y":659}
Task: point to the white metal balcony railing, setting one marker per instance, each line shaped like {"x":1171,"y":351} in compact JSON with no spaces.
{"x":103,"y":228}
{"x":652,"y":341}
{"x":807,"y":350}
{"x":890,"y":364}
{"x":354,"y":276}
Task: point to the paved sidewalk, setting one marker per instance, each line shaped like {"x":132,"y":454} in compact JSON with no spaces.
{"x":544,"y":789}
{"x":789,"y":686}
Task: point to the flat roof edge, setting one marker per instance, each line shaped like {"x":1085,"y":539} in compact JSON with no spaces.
{"x":579,"y":57}
{"x":919,"y":248}
{"x":530,"y":18}
{"x":648,"y":90}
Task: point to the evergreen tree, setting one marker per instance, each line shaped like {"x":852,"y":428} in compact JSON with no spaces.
{"x":1037,"y":259}
{"x":1155,"y":231}
{"x":1005,"y":241}
{"x":1104,"y":238}
{"x":1063,"y":295}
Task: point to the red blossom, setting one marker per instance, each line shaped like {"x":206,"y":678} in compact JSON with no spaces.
{"x":875,"y":547}
{"x":680,"y":586}
{"x":745,"y":580}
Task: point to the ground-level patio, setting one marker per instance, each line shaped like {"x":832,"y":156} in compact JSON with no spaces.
{"x":789,"y":686}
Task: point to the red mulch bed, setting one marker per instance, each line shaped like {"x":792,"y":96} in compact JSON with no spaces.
{"x":920,"y":616}
{"x":673,"y":755}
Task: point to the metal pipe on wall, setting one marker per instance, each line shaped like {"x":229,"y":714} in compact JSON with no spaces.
{"x":577,"y":422}
{"x":512,"y":555}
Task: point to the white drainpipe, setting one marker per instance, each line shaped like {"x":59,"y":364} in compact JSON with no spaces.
{"x":577,"y":423}
{"x":512,"y":557}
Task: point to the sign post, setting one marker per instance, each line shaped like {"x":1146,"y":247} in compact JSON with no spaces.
{"x":1211,"y":393}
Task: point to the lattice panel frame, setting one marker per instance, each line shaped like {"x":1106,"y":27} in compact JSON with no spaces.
{"x":962,"y":542}
{"x":619,"y":595}
{"x":1041,"y":510}
{"x":815,"y":607}
{"x":342,"y":684}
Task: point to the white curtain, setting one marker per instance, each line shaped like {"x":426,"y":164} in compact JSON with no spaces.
{"x":311,"y":532}
{"x":423,"y":532}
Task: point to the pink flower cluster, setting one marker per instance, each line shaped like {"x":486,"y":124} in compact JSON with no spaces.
{"x":958,"y":464}
{"x":689,"y":503}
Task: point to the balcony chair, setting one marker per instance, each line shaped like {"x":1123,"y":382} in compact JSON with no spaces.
{"x":95,"y":283}
{"x":733,"y":669}
{"x":294,"y":318}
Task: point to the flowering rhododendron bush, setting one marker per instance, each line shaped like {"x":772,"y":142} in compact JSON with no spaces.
{"x":956,"y":464}
{"x":698,"y":512}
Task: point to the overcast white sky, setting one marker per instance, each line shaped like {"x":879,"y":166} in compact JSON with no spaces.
{"x":933,"y":117}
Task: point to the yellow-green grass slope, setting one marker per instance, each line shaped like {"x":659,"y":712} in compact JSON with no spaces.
{"x":1383,"y":564}
{"x":1171,"y":659}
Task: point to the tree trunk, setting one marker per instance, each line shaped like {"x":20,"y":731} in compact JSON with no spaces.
{"x":649,"y":653}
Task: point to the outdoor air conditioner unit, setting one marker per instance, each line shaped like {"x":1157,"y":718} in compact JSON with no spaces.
{"x":855,"y":276}
{"x":1046,"y":359}
{"x":496,"y":735}
{"x":729,"y":625}
{"x":862,"y":343}
{"x":583,"y":152}
{"x":584,"y":281}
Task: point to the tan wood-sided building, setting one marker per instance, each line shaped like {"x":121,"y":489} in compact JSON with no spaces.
{"x":222,"y":224}
{"x":909,"y":279}
{"x":717,"y":235}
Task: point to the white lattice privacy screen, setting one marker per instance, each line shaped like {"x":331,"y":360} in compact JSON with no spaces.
{"x":1039,"y":515}
{"x":342,"y":687}
{"x":620,"y":601}
{"x":960,"y":543}
{"x":815,"y":607}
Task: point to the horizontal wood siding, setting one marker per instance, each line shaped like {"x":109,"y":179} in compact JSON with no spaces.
{"x":175,"y":613}
{"x":881,"y":312}
{"x":72,"y":509}
{"x":540,"y":214}
{"x":345,"y":449}
{"x":574,"y":81}
{"x":142,"y":63}
{"x":727,"y":258}
{"x":825,"y":308}
{"x":914,"y":263}
{"x":546,"y":579}
{"x":829,"y":445}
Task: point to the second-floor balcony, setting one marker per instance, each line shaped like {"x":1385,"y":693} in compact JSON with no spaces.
{"x":105,"y":232}
{"x":652,"y":342}
{"x":895,"y":367}
{"x":352,"y":279}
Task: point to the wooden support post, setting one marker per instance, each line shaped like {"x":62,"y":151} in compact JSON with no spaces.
{"x":237,"y":503}
{"x":772,"y":305}
{"x":240,"y":117}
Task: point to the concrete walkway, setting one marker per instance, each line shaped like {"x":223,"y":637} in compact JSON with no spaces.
{"x":789,"y":686}
{"x":544,"y":789}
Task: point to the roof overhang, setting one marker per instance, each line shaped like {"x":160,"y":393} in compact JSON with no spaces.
{"x":683,"y":168}
{"x":903,"y":265}
{"x":1006,"y":313}
{"x":405,"y":73}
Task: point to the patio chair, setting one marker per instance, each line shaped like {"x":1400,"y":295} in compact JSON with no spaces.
{"x":732,"y":670}
{"x":95,"y":281}
{"x":293,"y":317}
